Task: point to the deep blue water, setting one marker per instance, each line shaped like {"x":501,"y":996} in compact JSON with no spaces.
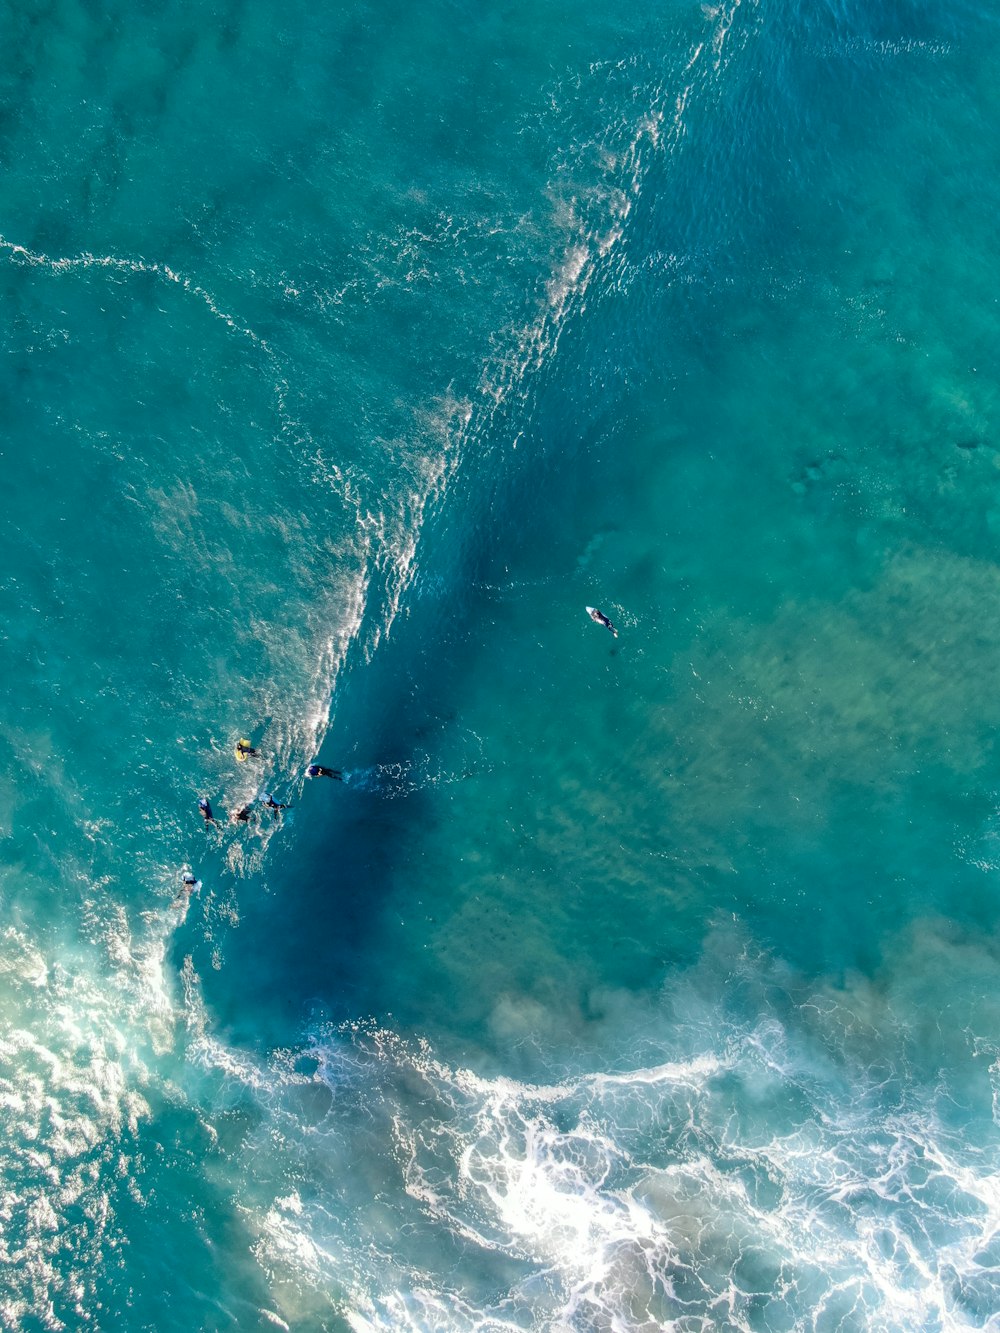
{"x":624,"y":983}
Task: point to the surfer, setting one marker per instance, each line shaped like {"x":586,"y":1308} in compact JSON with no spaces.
{"x":599,"y":618}
{"x":244,"y":751}
{"x":241,"y":816}
{"x":318,"y":771}
{"x":267,"y":799}
{"x":189,"y":885}
{"x":206,"y":810}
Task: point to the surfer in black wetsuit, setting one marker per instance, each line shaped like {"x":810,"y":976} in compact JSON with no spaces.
{"x":267,"y":799}
{"x":599,"y":618}
{"x":206,"y":810}
{"x":241,"y":816}
{"x":318,"y":771}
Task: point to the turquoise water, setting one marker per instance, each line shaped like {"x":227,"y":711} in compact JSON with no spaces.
{"x":624,"y":984}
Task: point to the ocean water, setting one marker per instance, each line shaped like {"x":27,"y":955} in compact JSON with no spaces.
{"x":623,"y":984}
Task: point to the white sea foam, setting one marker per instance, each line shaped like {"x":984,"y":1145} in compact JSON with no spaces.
{"x":785,"y":1172}
{"x":71,"y":1086}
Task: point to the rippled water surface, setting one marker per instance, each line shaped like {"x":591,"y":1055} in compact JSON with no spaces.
{"x":623,"y":983}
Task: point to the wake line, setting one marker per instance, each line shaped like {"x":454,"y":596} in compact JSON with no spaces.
{"x":115,"y":263}
{"x":119,"y":265}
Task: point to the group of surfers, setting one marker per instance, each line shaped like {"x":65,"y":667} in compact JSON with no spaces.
{"x":244,"y":750}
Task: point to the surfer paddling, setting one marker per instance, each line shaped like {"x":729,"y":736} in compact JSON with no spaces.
{"x":206,"y":812}
{"x":599,"y":618}
{"x":189,"y":885}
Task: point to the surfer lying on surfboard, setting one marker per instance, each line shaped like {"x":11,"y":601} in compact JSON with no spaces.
{"x":599,"y":618}
{"x":206,"y":812}
{"x":189,"y":885}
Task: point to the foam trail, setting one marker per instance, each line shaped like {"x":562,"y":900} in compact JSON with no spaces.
{"x":118,"y":264}
{"x":418,"y":772}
